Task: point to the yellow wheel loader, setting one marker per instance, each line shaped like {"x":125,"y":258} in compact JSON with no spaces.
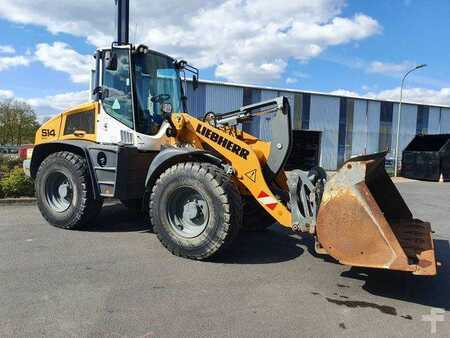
{"x":201,"y":180}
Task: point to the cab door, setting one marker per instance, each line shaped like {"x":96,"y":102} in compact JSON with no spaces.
{"x":116,"y":121}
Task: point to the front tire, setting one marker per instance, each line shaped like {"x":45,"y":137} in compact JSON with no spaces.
{"x":195,"y":210}
{"x":64,"y":191}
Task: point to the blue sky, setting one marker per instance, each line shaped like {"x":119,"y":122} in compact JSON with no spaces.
{"x":355,"y":47}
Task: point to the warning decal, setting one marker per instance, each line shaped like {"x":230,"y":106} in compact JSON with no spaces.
{"x":251,"y":175}
{"x":267,"y":200}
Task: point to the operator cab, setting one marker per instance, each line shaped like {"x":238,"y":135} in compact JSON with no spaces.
{"x":138,"y":90}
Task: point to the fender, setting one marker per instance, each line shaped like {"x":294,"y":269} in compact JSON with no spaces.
{"x":80,"y":147}
{"x":170,"y":155}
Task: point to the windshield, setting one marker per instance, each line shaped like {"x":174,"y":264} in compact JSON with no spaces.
{"x":156,"y":77}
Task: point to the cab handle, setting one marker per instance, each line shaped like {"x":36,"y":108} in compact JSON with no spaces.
{"x":79,"y":133}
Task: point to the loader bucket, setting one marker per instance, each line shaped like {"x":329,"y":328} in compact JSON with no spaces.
{"x":364,"y":221}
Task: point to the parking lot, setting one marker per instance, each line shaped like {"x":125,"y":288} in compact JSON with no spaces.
{"x":115,"y":279}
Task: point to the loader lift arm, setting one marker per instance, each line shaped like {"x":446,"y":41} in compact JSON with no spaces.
{"x":256,"y":164}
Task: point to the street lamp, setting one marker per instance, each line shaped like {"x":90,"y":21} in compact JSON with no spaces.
{"x":400,"y":113}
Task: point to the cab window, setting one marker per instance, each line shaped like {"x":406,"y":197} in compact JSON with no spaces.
{"x":118,"y":103}
{"x":155,"y":75}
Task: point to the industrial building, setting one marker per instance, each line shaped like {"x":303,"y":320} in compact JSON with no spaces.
{"x":328,"y":128}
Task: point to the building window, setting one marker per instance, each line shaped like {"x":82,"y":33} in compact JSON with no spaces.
{"x":306,"y":106}
{"x":422,"y":119}
{"x":251,"y":95}
{"x":385,"y":126}
{"x":346,"y":110}
{"x":247,"y":96}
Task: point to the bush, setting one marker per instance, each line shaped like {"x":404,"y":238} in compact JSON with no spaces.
{"x":16,"y":184}
{"x":8,"y":163}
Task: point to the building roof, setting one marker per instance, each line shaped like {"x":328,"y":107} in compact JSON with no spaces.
{"x":290,"y":90}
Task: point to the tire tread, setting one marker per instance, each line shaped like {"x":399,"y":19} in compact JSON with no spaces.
{"x":229,"y":196}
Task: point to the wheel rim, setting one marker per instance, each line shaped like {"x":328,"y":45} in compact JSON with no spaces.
{"x":58,"y":191}
{"x":187,"y":212}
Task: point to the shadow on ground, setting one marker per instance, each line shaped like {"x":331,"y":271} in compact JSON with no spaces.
{"x":271,"y":246}
{"x":428,"y":291}
{"x":117,"y":218}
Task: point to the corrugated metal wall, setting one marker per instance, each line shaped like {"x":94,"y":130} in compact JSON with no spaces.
{"x":360,"y":127}
{"x":264,"y":123}
{"x":196,"y":100}
{"x":221,"y":99}
{"x":325,"y":117}
{"x":408,"y":125}
{"x":268,"y":94}
{"x":373,"y":127}
{"x":434,"y":120}
{"x":445,"y":121}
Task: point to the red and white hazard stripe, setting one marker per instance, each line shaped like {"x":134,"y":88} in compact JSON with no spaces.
{"x":267,"y":200}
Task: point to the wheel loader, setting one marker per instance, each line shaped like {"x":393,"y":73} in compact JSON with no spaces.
{"x":200,"y":180}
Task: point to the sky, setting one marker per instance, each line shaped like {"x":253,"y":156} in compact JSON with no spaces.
{"x":353,"y":47}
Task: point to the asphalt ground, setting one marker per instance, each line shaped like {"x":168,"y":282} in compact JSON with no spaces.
{"x":115,"y":279}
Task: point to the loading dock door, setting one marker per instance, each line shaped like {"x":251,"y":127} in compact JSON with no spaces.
{"x":305,"y":150}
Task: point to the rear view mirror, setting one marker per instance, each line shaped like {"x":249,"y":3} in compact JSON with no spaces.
{"x":195,"y":82}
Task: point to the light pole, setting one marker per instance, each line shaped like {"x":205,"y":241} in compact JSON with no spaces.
{"x":399,"y":116}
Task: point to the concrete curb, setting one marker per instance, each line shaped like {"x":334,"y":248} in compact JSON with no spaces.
{"x":22,"y":200}
{"x":32,"y":200}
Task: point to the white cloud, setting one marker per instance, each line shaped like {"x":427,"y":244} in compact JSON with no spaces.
{"x":61,"y":57}
{"x":6,"y":49}
{"x":416,"y":95}
{"x":291,"y":80}
{"x":390,"y":68}
{"x":419,"y":95}
{"x":250,"y":41}
{"x":344,"y":92}
{"x":6,"y":94}
{"x":59,"y":102}
{"x":50,"y":105}
{"x":13,"y":61}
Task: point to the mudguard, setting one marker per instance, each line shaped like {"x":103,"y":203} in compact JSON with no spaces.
{"x":170,"y":155}
{"x":42,"y":150}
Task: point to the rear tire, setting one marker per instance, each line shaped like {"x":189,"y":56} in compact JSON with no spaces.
{"x":195,"y":210}
{"x":64,"y":191}
{"x":256,"y":218}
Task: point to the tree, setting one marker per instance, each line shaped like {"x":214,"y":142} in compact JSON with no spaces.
{"x":18,"y":123}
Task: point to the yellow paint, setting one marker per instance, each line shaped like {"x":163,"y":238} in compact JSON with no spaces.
{"x":43,"y":133}
{"x":53,"y":129}
{"x":79,"y":134}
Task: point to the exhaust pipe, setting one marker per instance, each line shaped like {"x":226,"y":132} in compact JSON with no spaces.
{"x":123,"y":22}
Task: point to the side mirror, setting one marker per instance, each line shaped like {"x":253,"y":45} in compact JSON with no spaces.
{"x":111,"y":61}
{"x":100,"y":93}
{"x":195,"y":82}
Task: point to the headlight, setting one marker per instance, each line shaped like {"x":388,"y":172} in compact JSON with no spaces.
{"x":29,"y":153}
